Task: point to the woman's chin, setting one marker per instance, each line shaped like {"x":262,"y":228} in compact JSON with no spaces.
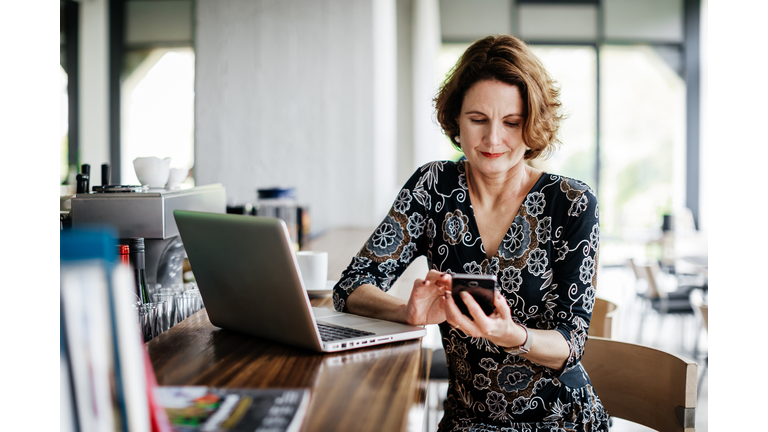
{"x":493,"y":166}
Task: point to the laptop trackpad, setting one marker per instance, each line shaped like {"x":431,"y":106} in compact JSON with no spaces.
{"x":345,"y":320}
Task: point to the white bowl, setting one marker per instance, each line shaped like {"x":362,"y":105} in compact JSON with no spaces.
{"x":152,"y":171}
{"x":175,"y":178}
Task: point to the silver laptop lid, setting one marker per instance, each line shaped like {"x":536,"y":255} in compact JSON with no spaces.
{"x":247,"y":275}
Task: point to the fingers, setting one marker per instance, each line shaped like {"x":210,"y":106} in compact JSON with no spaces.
{"x":439,"y":278}
{"x":452,"y":313}
{"x":456,"y":318}
{"x":502,"y":307}
{"x":480,"y":324}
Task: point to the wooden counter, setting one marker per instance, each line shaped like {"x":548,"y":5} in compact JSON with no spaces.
{"x":380,"y":388}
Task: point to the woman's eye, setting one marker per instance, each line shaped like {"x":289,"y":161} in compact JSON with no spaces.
{"x":513,"y":124}
{"x":477,"y":120}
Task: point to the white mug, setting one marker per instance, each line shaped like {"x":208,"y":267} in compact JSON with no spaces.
{"x":313,"y":266}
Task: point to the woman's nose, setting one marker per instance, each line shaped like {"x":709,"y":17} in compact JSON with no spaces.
{"x":493,"y":137}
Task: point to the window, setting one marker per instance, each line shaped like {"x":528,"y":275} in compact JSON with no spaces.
{"x":449,"y":56}
{"x":63,"y":126}
{"x":574,"y":69}
{"x":642,"y":138}
{"x":158,"y":108}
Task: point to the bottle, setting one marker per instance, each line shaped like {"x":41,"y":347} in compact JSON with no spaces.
{"x":136,"y":247}
{"x":123,"y":254}
{"x":86,"y":176}
{"x":124,"y":258}
{"x":280,"y":203}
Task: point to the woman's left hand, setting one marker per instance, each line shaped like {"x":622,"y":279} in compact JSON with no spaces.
{"x":498,"y":327}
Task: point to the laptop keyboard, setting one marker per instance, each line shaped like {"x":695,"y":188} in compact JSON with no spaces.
{"x":330,"y":332}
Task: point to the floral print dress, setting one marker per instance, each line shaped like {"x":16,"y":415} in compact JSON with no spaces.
{"x":546,"y":268}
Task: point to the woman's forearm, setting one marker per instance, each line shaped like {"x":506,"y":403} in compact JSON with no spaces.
{"x":549,"y":348}
{"x":367,"y":300}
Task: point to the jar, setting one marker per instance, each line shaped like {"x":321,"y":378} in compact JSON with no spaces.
{"x":280,"y":203}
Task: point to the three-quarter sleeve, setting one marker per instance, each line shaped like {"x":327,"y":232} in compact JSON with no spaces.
{"x":393,"y":245}
{"x":574,"y":268}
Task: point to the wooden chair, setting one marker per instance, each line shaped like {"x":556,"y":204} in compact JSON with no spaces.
{"x":701,"y":310}
{"x":602,"y":318}
{"x":642,"y":384}
{"x":665,"y":300}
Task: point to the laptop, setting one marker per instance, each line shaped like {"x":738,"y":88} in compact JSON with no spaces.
{"x":247,"y":274}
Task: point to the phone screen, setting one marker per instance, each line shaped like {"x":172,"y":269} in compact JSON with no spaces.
{"x":481,"y":287}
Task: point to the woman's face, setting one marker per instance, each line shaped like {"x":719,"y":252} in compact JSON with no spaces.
{"x":491,"y":127}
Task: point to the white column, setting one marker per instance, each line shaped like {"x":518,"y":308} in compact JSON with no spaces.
{"x":94,"y":86}
{"x":427,"y":137}
{"x":384,"y":104}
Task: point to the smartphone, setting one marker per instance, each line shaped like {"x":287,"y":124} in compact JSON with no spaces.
{"x":481,"y":287}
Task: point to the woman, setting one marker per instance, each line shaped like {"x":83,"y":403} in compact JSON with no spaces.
{"x":517,"y":369}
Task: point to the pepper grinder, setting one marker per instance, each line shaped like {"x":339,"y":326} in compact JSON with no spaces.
{"x":84,"y":180}
{"x":105,"y":174}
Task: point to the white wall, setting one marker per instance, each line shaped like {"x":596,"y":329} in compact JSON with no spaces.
{"x":94,"y":87}
{"x":558,"y":22}
{"x":405,"y":135}
{"x":464,"y":20}
{"x":287,"y":95}
{"x":652,"y":20}
{"x":427,"y":135}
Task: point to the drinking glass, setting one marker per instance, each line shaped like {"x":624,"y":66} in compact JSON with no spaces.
{"x":145,"y":312}
{"x":169,"y":309}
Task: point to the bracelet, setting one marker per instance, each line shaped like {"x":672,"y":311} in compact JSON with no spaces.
{"x":525,"y":347}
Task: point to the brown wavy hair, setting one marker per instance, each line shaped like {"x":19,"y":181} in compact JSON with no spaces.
{"x":507,"y":59}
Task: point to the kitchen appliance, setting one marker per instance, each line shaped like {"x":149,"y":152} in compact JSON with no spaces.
{"x":136,"y":211}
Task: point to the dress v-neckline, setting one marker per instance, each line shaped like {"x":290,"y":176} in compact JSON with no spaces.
{"x":475,"y":225}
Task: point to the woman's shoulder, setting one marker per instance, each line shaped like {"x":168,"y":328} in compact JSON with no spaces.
{"x":438,"y":173}
{"x":556,"y":184}
{"x":442,"y":167}
{"x":565,"y":196}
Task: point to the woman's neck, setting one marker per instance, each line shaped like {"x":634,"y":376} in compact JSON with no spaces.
{"x":510,"y":185}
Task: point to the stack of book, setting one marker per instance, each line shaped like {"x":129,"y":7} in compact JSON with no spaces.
{"x":107,"y":381}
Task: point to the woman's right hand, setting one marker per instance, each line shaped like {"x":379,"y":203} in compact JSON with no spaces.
{"x":426,"y":305}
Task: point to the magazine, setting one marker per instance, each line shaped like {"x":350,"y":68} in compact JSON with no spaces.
{"x":198,"y":408}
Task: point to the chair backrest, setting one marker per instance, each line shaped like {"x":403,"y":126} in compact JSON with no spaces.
{"x":700,"y":308}
{"x":652,"y":272}
{"x":602,"y":318}
{"x":641,"y":276}
{"x":642,"y":384}
{"x":684,"y":220}
{"x":634,"y":265}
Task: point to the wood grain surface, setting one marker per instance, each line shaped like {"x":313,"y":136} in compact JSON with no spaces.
{"x":369,"y":389}
{"x":641,"y":384}
{"x":381,"y":388}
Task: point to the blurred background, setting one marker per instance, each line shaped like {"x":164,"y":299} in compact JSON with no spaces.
{"x":334,"y":98}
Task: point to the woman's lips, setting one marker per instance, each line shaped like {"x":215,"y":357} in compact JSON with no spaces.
{"x":492,"y":155}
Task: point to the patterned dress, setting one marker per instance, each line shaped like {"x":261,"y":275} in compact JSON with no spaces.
{"x":546,"y":268}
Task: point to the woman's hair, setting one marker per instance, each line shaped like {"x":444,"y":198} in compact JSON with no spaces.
{"x":507,"y":59}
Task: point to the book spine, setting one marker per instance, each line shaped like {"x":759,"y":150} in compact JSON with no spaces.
{"x":131,"y":368}
{"x":68,"y":412}
{"x":90,"y":345}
